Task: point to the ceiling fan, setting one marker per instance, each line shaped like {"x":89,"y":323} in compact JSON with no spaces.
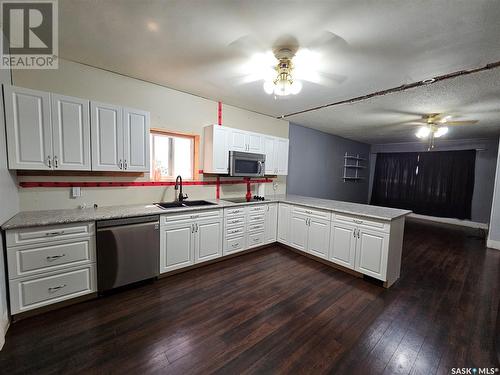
{"x":436,"y":126}
{"x":284,"y":67}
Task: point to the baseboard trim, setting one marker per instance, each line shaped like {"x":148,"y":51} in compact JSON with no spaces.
{"x":446,"y":220}
{"x":493,"y":244}
{"x":4,"y":326}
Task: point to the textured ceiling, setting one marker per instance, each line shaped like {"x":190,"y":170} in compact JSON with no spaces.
{"x":387,"y":118}
{"x":202,"y":46}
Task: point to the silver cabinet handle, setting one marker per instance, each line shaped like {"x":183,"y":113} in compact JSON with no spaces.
{"x":125,"y":165}
{"x":56,"y":288}
{"x":54,"y":233}
{"x":192,"y":228}
{"x":56,"y":162}
{"x":256,"y":239}
{"x":235,"y":244}
{"x":235,"y":221}
{"x":354,"y":233}
{"x":49,"y":162}
{"x":234,"y":231}
{"x":195,"y":216}
{"x":358,"y":233}
{"x":358,"y":221}
{"x":196,"y":227}
{"x":54,"y":257}
{"x":120,"y":164}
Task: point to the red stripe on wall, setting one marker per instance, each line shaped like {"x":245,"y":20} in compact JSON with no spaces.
{"x":217,"y":182}
{"x":219,"y":113}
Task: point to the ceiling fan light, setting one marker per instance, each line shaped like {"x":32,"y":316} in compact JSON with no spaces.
{"x":423,"y":132}
{"x":268,"y":87}
{"x":282,"y":87}
{"x":441,"y":131}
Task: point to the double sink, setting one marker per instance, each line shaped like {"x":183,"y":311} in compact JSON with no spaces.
{"x":186,"y":204}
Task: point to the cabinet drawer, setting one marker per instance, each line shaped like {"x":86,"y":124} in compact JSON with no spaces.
{"x":256,"y":218}
{"x":236,"y":231}
{"x":257,"y":208}
{"x":255,"y":239}
{"x":259,"y":227}
{"x":28,"y":261}
{"x":235,"y":221}
{"x":321,"y":214}
{"x":191,"y":215}
{"x":33,"y":292}
{"x":236,"y":211}
{"x":37,"y":235}
{"x":234,"y":245}
{"x":363,"y":222}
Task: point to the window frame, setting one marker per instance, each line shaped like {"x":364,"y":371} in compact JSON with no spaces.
{"x":169,"y":133}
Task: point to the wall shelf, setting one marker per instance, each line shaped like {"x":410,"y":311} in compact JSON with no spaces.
{"x":352,"y":165}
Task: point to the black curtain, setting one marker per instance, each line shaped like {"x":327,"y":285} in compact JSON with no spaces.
{"x":437,"y":183}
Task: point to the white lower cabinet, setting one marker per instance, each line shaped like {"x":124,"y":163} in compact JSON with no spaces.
{"x":271,"y":223}
{"x":298,"y":231}
{"x":208,"y":244}
{"x":176,"y":246}
{"x":310,"y":234}
{"x":50,"y":264}
{"x":284,"y":223}
{"x":360,"y":249}
{"x":343,"y":244}
{"x":189,"y":238}
{"x":371,"y":253}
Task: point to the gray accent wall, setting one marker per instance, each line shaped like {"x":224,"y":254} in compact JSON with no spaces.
{"x":486,"y":164}
{"x":315,"y":166}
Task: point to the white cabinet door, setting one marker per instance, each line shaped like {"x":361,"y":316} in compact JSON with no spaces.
{"x":318,"y":238}
{"x":371,"y":253}
{"x":220,"y":150}
{"x":208,"y":240}
{"x":71,"y":133}
{"x":282,"y":156}
{"x":271,"y":223}
{"x":176,"y":246}
{"x":135,"y":140}
{"x":284,"y":211}
{"x":254,"y":143}
{"x":238,"y":140}
{"x":107,"y":137}
{"x":29,"y":130}
{"x":298,"y":231}
{"x":269,"y":144}
{"x":343,"y":244}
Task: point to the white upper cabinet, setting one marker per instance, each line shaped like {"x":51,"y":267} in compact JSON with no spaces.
{"x":269,"y":151}
{"x":254,"y":143}
{"x":120,"y":138}
{"x":107,"y":137}
{"x":281,"y":156}
{"x":29,"y":129}
{"x":219,"y":140}
{"x":216,"y":149}
{"x":238,"y":140}
{"x":136,"y":140}
{"x":71,"y":133}
{"x":56,"y":132}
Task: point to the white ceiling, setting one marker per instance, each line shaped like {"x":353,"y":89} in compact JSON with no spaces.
{"x":202,"y":46}
{"x":388,"y":118}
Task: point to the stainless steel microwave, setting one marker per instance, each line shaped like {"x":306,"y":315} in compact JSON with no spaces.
{"x":246,"y":164}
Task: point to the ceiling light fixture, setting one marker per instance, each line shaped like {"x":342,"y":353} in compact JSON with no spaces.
{"x":283,"y":84}
{"x":431,"y":131}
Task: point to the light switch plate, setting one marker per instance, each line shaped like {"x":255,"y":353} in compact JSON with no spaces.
{"x":76,"y":192}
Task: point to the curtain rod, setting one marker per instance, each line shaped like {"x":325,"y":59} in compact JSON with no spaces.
{"x":476,"y":149}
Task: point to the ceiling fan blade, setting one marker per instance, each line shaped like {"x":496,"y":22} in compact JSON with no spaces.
{"x":327,"y":40}
{"x":458,"y":123}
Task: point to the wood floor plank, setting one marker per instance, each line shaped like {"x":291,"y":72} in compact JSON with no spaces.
{"x":276,"y":312}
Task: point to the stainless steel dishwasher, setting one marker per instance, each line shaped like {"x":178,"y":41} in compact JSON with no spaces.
{"x":128,"y":251}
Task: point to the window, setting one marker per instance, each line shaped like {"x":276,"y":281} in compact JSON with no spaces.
{"x":173,"y":154}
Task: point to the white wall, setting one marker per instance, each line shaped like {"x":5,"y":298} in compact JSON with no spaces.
{"x":9,"y":206}
{"x":170,"y":109}
{"x":494,"y":233}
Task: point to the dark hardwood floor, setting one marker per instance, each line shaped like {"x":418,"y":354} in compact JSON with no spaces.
{"x":273,"y":311}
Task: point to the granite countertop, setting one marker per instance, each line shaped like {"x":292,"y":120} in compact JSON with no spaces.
{"x":53,"y":217}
